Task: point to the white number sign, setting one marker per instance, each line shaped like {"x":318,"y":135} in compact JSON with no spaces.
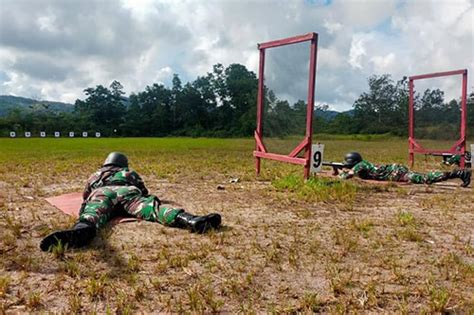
{"x":84,"y":134}
{"x":27,"y":134}
{"x":97,"y":134}
{"x":12,"y":134}
{"x":57,"y":134}
{"x":71,"y":134}
{"x":42,"y":134}
{"x":317,"y":151}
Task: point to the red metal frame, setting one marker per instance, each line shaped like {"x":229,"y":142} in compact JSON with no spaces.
{"x":459,"y":146}
{"x":260,"y":149}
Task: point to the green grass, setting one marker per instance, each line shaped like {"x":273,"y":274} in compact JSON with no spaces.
{"x":159,"y":157}
{"x":405,"y":218}
{"x":288,"y":245}
{"x":317,"y":188}
{"x":164,"y":157}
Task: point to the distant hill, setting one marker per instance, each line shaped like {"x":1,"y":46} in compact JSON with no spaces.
{"x":9,"y":102}
{"x":331,"y":114}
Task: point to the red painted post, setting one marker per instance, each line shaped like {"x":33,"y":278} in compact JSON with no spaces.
{"x":437,"y":74}
{"x":288,"y":41}
{"x":463,"y":116}
{"x":260,"y":103}
{"x":411,"y":155}
{"x":310,"y":105}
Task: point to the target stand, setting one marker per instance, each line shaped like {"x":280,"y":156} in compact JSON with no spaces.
{"x":459,"y":147}
{"x":260,"y":148}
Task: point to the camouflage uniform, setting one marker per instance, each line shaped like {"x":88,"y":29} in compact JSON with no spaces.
{"x":114,"y":190}
{"x":394,"y":172}
{"x":456,"y":159}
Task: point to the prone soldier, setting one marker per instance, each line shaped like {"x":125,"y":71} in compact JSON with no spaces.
{"x":356,"y":166}
{"x":115,"y":188}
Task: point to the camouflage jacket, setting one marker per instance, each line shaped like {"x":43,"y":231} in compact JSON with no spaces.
{"x":114,"y":176}
{"x":367,"y":170}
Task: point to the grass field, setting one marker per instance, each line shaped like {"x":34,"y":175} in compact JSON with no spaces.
{"x":286,"y":245}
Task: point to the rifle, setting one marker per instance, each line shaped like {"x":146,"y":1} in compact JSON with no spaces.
{"x":335,"y":166}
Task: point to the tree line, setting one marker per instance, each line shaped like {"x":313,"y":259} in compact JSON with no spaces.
{"x":223,"y":104}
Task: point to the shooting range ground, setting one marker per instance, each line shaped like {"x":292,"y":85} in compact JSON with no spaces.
{"x":286,"y":246}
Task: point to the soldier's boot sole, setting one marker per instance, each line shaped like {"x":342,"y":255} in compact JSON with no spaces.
{"x":73,"y":238}
{"x":207,"y":222}
{"x":214,"y":219}
{"x":466,"y":178}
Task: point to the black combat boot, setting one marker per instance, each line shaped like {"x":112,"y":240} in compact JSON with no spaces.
{"x":198,"y":224}
{"x":80,"y":235}
{"x":464,"y":175}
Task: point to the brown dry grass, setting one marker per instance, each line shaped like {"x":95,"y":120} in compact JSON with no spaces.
{"x":388,"y":249}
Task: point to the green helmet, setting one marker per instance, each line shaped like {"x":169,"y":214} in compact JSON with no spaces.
{"x":116,"y":159}
{"x":352,"y":158}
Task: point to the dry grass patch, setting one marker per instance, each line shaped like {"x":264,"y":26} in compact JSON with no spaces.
{"x":34,"y":300}
{"x":4,"y":283}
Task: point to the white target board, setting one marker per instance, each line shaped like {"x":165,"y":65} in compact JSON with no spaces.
{"x":84,"y":134}
{"x":57,"y":134}
{"x":42,"y":134}
{"x":317,"y":151}
{"x":27,"y":134}
{"x":97,"y":134}
{"x":12,"y":134}
{"x":71,"y":134}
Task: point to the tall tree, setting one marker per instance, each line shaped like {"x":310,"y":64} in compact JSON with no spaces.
{"x":103,"y":109}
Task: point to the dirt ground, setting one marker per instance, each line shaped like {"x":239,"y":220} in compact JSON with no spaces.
{"x":404,"y":249}
{"x":274,"y":253}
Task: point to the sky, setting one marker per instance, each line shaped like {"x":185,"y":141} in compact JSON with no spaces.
{"x":54,"y":49}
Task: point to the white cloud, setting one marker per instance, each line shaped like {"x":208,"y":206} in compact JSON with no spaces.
{"x":332,"y":27}
{"x":384,"y":64}
{"x":358,"y":50}
{"x":47,"y":23}
{"x":364,"y":14}
{"x":331,"y":58}
{"x":438,"y":38}
{"x":54,"y":49}
{"x":164,"y":74}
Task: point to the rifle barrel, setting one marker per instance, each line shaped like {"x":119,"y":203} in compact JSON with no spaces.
{"x":333,"y":164}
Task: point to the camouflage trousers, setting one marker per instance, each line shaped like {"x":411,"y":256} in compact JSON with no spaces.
{"x":401,"y":173}
{"x":424,"y":178}
{"x":104,"y":203}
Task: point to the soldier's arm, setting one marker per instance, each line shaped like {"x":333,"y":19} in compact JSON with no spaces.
{"x":346,"y":174}
{"x":138,"y":182}
{"x":86,"y":192}
{"x":88,"y":189}
{"x":355,"y":171}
